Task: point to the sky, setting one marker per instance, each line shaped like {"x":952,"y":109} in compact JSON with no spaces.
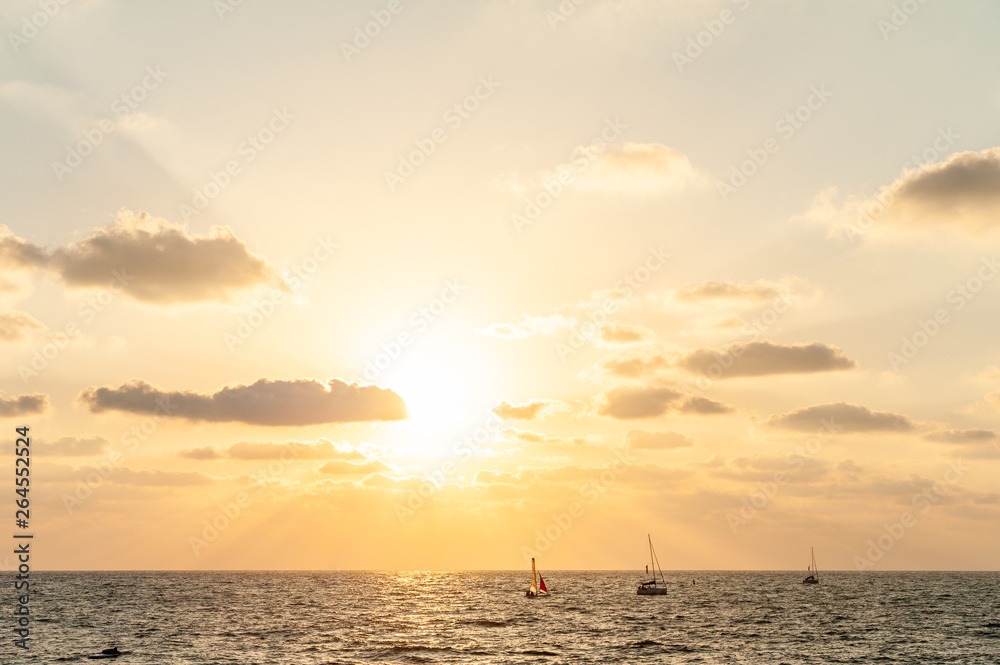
{"x":400,"y":284}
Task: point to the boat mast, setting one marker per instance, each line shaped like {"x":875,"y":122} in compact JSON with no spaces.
{"x":653,"y":560}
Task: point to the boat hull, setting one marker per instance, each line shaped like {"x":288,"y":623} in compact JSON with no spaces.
{"x":810,"y":580}
{"x":651,"y":591}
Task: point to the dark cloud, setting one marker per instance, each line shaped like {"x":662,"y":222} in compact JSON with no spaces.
{"x":266,"y":402}
{"x":763,"y":358}
{"x":71,"y":446}
{"x":150,"y":260}
{"x":25,"y":405}
{"x":626,"y":403}
{"x":639,"y":439}
{"x":842,"y":418}
{"x":963,"y":191}
{"x":18,"y":253}
{"x":205,"y":453}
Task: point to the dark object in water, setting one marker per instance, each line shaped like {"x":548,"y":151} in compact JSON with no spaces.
{"x":113,"y":652}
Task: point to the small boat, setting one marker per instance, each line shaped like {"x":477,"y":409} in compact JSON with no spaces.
{"x":536,"y":591}
{"x":813,"y":577}
{"x":652,"y":587}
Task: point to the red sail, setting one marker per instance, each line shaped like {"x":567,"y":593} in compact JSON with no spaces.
{"x":541,"y":584}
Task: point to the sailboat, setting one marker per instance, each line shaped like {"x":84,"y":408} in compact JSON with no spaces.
{"x":536,"y":591}
{"x":652,"y":587}
{"x":813,"y":577}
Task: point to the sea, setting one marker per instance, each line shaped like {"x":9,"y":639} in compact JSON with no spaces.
{"x":274,"y":618}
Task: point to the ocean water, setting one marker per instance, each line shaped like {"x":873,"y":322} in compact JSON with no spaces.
{"x":483,"y":617}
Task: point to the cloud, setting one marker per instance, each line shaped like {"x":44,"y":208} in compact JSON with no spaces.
{"x":633,"y":168}
{"x":635,"y":367}
{"x":623,"y":333}
{"x":962,"y":191}
{"x":248,"y":450}
{"x":7,"y":286}
{"x":643,"y":168}
{"x":18,"y":253}
{"x":536,"y":438}
{"x":151,"y":260}
{"x":342,"y":468}
{"x":764,"y":468}
{"x":205,"y":453}
{"x":71,"y":446}
{"x":702,"y":406}
{"x":15,"y":326}
{"x":528,"y":326}
{"x":565,"y":316}
{"x":266,"y":402}
{"x":25,"y":405}
{"x":159,"y":478}
{"x":764,"y":358}
{"x":495,"y":478}
{"x":962,"y":436}
{"x":626,"y":403}
{"x":844,"y":419}
{"x":758,"y":291}
{"x":528,"y":411}
{"x":639,"y":439}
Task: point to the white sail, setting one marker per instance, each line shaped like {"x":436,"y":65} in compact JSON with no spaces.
{"x":534,"y":589}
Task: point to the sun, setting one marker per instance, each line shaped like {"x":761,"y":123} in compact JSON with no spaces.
{"x":446,"y":393}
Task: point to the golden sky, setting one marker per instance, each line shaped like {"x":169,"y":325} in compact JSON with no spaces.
{"x":448,"y":285}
